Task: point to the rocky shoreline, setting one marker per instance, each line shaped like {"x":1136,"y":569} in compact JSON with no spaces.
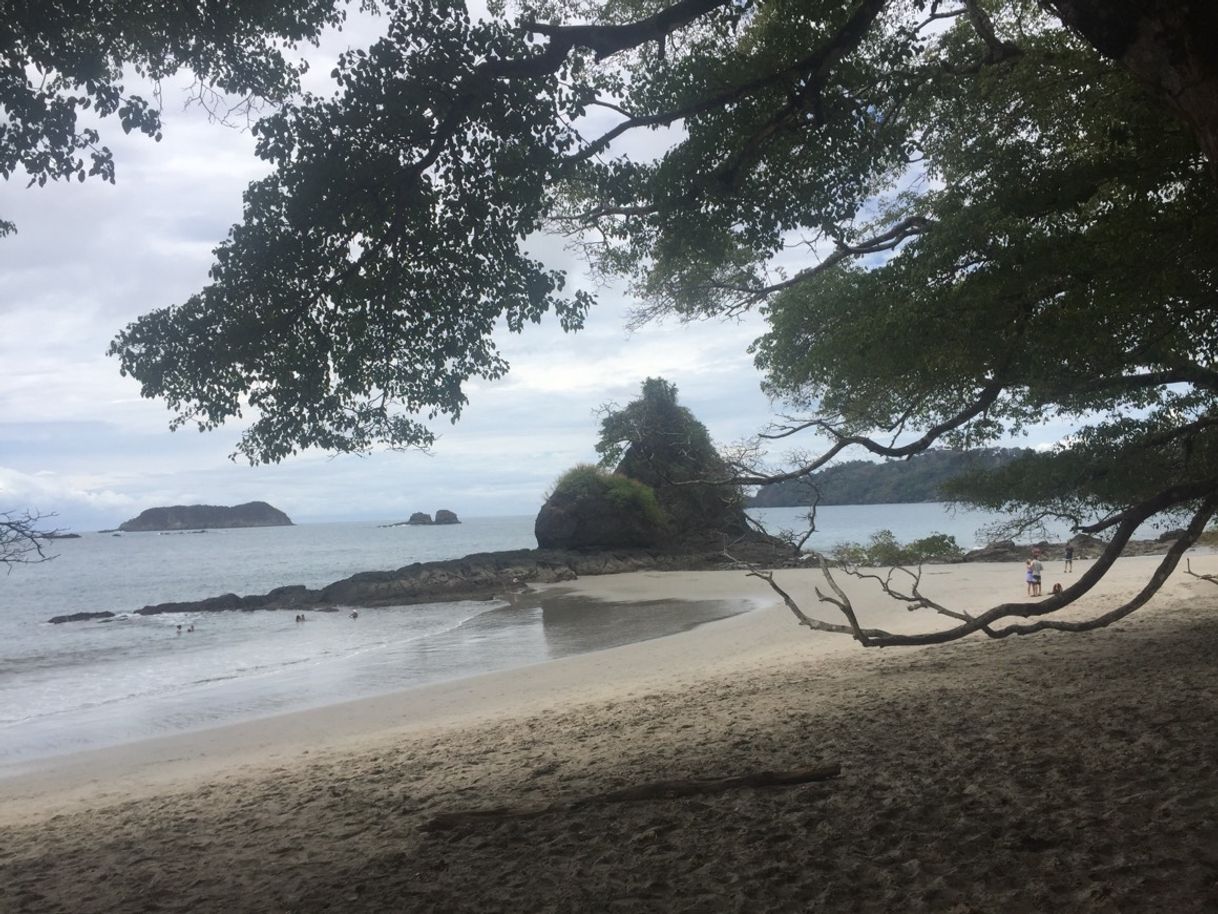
{"x":481,"y":576}
{"x":1085,"y":547}
{"x":485,"y":575}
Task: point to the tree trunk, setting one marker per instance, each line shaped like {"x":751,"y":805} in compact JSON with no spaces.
{"x":1170,"y":46}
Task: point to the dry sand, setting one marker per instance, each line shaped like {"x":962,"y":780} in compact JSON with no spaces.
{"x":1049,"y":773}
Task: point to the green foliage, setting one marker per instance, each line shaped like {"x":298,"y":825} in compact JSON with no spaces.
{"x":62,"y":60}
{"x":630,"y":496}
{"x":363,"y":287}
{"x":1068,"y":261}
{"x":920,"y":478}
{"x":884,"y":551}
{"x":659,"y":432}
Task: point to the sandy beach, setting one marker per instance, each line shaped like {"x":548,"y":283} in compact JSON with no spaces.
{"x":1050,"y":773}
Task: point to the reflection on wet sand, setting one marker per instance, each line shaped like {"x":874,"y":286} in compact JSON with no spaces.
{"x":576,"y":625}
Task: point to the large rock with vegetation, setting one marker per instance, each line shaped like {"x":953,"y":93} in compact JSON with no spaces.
{"x":444,"y":516}
{"x":591,"y":508}
{"x":657,"y":444}
{"x":201,"y":517}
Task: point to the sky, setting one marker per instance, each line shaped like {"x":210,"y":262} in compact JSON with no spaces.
{"x":78,"y":441}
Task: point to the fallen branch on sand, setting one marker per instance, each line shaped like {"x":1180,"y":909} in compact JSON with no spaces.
{"x":1188,"y":569}
{"x":656,"y":790}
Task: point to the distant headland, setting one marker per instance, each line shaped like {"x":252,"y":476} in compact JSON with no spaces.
{"x":201,"y":517}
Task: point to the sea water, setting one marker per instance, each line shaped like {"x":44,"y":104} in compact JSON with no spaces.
{"x":84,"y":685}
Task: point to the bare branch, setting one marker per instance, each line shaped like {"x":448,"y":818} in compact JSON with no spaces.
{"x":984,"y":622}
{"x":936,"y":15}
{"x":885,"y":241}
{"x":1188,"y":569}
{"x":986,"y":398}
{"x":815,"y":624}
{"x":21,"y":542}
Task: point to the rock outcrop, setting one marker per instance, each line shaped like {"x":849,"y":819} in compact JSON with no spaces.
{"x":584,"y":517}
{"x":658,"y":446}
{"x":485,"y":575}
{"x":476,"y":577}
{"x":419,"y":519}
{"x":80,"y":617}
{"x":1085,"y":547}
{"x":201,"y":517}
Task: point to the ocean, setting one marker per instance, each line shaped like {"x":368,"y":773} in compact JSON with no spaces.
{"x":84,"y":685}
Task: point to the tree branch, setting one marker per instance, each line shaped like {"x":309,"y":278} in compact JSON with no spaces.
{"x":984,"y":621}
{"x":985,"y":399}
{"x":813,"y":68}
{"x":1188,"y":569}
{"x":21,"y":542}
{"x":885,"y":241}
{"x":603,"y":40}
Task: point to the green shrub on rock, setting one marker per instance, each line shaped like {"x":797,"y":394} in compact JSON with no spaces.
{"x":592,"y":508}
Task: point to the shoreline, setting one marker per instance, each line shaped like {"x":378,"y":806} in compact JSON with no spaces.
{"x":1056,"y":772}
{"x":490,"y":575}
{"x":763,"y":634}
{"x":521,"y":632}
{"x":111,"y":773}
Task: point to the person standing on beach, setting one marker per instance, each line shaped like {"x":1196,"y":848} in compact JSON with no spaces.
{"x":1037,"y":569}
{"x":1027,"y":576}
{"x":1069,"y":557}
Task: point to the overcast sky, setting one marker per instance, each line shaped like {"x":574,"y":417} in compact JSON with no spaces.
{"x":76,"y":438}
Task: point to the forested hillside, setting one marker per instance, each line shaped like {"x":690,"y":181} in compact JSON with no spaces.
{"x":863,"y":482}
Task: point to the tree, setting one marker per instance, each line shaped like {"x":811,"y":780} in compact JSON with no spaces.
{"x":1066,"y":268}
{"x":1006,"y":208}
{"x":21,"y":540}
{"x":1167,"y":45}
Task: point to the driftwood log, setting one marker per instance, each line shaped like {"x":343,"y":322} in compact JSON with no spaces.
{"x":642,"y":793}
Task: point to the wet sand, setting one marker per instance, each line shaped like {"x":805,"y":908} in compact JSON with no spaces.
{"x":1050,"y":773}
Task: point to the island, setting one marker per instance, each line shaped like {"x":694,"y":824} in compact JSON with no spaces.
{"x":201,"y":517}
{"x":422,"y":519}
